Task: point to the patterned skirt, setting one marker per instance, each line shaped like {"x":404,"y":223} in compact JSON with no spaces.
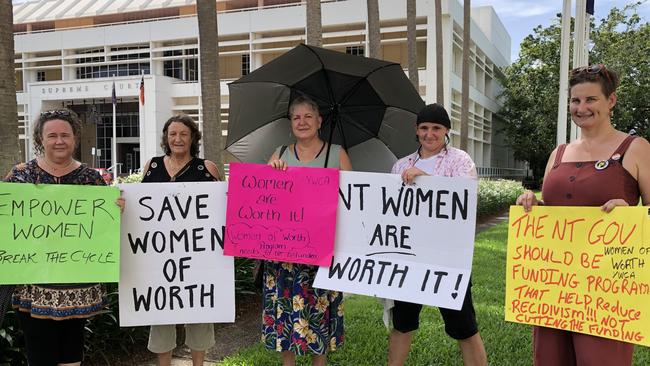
{"x":296,"y":316}
{"x":59,"y":302}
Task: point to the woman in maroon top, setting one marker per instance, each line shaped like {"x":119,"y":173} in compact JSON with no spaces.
{"x":604,"y":167}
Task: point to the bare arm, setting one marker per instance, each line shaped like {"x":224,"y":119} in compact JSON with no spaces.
{"x":528,"y":199}
{"x":637,"y":163}
{"x":344,"y":161}
{"x":146,"y":167}
{"x":212,"y":168}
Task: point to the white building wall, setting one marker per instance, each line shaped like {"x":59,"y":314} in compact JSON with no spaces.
{"x":258,"y":32}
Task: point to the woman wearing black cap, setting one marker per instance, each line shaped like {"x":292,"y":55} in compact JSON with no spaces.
{"x":435,"y":157}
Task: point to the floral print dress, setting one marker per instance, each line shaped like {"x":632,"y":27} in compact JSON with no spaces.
{"x":298,"y":317}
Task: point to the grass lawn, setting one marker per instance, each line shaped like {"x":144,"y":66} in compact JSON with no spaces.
{"x":367,"y":338}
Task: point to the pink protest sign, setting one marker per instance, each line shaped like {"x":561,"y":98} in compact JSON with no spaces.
{"x":286,"y":216}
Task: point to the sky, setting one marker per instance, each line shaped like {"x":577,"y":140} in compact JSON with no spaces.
{"x":521,"y":16}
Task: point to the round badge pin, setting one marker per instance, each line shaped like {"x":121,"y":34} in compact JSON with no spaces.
{"x":601,"y":164}
{"x":616,"y":156}
{"x":154,"y":165}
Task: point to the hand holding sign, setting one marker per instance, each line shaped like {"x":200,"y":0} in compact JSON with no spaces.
{"x":284,"y":216}
{"x":173,"y":270}
{"x":411,"y":243}
{"x":58,"y":233}
{"x":579,"y":269}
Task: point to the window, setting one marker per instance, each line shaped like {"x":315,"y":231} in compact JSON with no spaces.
{"x":192,"y":65}
{"x":40,"y":75}
{"x":183,"y":64}
{"x":127,"y":125}
{"x":173,"y":68}
{"x":245,"y":64}
{"x":355,"y":50}
{"x":134,"y":67}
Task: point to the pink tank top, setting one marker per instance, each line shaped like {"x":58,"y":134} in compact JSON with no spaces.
{"x":590,"y":183}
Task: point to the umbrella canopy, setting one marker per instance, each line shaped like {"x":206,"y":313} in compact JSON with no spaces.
{"x":368,"y":106}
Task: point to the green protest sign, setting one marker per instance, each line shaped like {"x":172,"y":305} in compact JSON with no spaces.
{"x":54,"y":233}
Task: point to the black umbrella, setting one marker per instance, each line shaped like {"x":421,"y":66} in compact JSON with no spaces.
{"x":368,"y":106}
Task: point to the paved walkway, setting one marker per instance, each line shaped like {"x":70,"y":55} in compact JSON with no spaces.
{"x":492,"y":221}
{"x":180,"y":362}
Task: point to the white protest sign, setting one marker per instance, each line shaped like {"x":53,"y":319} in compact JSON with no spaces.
{"x":405,"y":242}
{"x":172,"y":268}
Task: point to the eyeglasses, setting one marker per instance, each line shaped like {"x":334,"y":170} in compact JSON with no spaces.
{"x":597,"y":69}
{"x":56,"y":113}
{"x":591,"y":69}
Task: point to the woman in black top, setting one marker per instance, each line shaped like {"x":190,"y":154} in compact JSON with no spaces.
{"x":180,"y":142}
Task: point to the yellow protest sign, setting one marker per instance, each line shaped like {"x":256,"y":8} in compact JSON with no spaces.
{"x":580,"y":269}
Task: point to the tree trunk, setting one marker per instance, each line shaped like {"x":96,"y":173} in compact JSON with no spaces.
{"x":210,"y":86}
{"x":411,"y":43}
{"x":464,"y":111}
{"x":374,"y":36}
{"x":314,"y":25}
{"x":440,"y":85}
{"x":11,"y":150}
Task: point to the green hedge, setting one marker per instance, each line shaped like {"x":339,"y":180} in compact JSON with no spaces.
{"x":494,"y":196}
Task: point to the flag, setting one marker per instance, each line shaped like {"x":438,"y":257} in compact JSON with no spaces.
{"x":590,"y":7}
{"x":142,"y":90}
{"x":113,"y":96}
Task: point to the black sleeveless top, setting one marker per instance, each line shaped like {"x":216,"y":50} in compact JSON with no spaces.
{"x":194,"y":171}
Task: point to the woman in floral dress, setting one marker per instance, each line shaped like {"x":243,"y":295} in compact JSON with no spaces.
{"x":299,"y":319}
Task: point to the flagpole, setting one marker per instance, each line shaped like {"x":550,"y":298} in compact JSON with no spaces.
{"x":580,"y":52}
{"x":141,"y":117}
{"x":564,"y":73}
{"x":114,"y":141}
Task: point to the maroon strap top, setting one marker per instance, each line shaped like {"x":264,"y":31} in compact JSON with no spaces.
{"x":590,"y":183}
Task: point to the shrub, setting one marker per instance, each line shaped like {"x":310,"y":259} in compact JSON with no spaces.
{"x":12,"y":343}
{"x":244,"y":276}
{"x":494,"y":196}
{"x":105,"y":339}
{"x":133,"y":178}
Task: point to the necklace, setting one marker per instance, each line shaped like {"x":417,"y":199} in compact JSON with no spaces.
{"x":176,"y":167}
{"x":54,"y":168}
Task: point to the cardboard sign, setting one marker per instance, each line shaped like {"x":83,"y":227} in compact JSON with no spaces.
{"x":406,"y":242}
{"x":287,"y":216}
{"x":173,"y":270}
{"x":580,"y":269}
{"x":55,"y":233}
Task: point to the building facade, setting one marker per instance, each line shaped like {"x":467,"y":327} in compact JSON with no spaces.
{"x":70,"y":52}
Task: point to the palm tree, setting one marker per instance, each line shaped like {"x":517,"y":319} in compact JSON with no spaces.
{"x":314,"y":25}
{"x":411,"y":43}
{"x":374,"y":47}
{"x":210,"y":88}
{"x":464,"y":110}
{"x":440,"y":85}
{"x":11,"y":152}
